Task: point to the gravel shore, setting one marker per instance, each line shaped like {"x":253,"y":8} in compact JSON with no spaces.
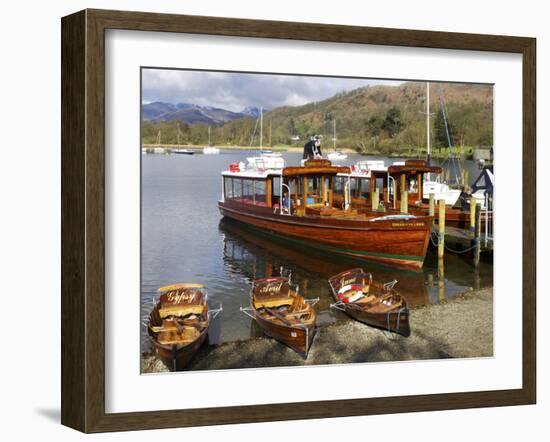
{"x":459,"y":328}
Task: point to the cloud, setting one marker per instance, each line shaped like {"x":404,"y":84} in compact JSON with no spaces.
{"x":235,"y":91}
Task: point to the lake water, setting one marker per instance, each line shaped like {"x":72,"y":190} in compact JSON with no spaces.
{"x":184,"y":239}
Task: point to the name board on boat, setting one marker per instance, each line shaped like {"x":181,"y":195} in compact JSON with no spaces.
{"x":416,"y":163}
{"x":318,"y":163}
{"x":407,"y":224}
{"x":181,"y":297}
{"x":347,"y":281}
{"x":271,"y":288}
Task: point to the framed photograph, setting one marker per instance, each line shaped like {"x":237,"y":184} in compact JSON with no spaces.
{"x":266,"y":221}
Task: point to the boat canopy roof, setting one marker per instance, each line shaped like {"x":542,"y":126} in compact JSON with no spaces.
{"x":416,"y":166}
{"x":315,"y":167}
{"x":252,"y":173}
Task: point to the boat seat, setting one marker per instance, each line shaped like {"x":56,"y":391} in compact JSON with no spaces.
{"x":271,"y":303}
{"x":181,"y":310}
{"x":189,"y":334}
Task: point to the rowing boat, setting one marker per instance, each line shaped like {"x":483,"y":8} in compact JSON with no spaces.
{"x":283,"y":314}
{"x":372,"y":303}
{"x":178,"y":324}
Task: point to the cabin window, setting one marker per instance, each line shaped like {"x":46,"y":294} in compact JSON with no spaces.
{"x":248,"y":191}
{"x":228,"y":187}
{"x":276,"y":190}
{"x":354,"y":187}
{"x":412,"y":184}
{"x":276,"y":186}
{"x":364,"y":188}
{"x":338,"y":185}
{"x":237,"y":188}
{"x":313,"y":190}
{"x":259,"y":192}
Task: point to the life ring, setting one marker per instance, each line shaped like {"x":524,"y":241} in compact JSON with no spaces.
{"x":350,"y":293}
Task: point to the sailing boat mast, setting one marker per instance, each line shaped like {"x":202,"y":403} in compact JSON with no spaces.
{"x":209,"y":135}
{"x":334,"y":135}
{"x":261,"y":127}
{"x":428,"y":122}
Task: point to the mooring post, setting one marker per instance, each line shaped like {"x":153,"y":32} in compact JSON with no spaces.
{"x":472,"y":213}
{"x":375,"y":200}
{"x":477,"y":238}
{"x":440,"y":279}
{"x":441,"y":225}
{"x":432,"y":204}
{"x":404,"y":201}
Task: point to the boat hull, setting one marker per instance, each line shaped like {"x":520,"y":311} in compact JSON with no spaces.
{"x":176,"y":357}
{"x":395,"y":242}
{"x":298,"y":338}
{"x":397,"y":322}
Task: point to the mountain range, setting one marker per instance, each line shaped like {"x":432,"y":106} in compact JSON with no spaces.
{"x":376,"y":118}
{"x":193,"y":113}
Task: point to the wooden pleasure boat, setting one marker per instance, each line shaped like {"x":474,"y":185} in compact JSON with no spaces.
{"x":178,"y":324}
{"x":366,"y":301}
{"x":389,"y":182}
{"x":283,"y":314}
{"x":296,"y":204}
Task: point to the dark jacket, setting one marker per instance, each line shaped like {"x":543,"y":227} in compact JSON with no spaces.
{"x":310,"y":150}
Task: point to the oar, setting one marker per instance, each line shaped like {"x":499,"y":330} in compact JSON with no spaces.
{"x":277,"y":315}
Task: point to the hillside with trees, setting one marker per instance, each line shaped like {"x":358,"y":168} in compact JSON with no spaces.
{"x":374,"y":119}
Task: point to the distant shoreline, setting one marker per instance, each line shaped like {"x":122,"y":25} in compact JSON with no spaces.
{"x":413,"y":152}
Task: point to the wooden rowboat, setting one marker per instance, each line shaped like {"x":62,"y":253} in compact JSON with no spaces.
{"x":378,"y":305}
{"x":178,"y":323}
{"x":283,"y":314}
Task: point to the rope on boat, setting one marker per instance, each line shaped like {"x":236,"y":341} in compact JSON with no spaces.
{"x":389,"y":333}
{"x":435,"y":234}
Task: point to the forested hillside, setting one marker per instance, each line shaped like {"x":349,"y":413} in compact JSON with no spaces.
{"x":383,"y":119}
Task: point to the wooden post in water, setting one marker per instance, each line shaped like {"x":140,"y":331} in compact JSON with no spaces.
{"x":432,"y":204}
{"x":404,"y":201}
{"x":472,"y":213}
{"x":477,"y":238}
{"x":375,"y":199}
{"x":440,"y":279}
{"x":441,"y":225}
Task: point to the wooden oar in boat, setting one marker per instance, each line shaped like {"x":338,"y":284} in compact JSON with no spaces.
{"x":278,"y":316}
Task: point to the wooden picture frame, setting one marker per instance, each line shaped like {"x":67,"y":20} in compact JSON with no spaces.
{"x":83,"y":219}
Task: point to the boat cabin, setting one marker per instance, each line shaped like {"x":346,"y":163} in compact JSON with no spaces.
{"x":387,"y":182}
{"x":298,"y":190}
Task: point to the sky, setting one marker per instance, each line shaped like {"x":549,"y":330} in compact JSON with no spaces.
{"x":235,"y":91}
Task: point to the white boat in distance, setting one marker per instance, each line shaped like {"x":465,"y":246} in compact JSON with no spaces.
{"x":210,"y":150}
{"x":441,"y":191}
{"x":335,"y":155}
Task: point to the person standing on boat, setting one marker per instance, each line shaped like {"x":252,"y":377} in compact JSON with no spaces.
{"x":312,"y":149}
